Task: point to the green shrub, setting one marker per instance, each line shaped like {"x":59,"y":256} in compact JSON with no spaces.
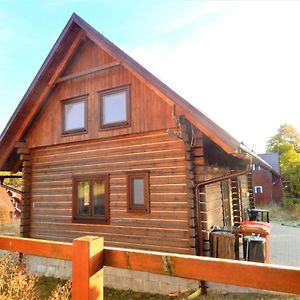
{"x":291,"y":203}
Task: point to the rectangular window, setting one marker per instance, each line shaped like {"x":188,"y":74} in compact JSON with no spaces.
{"x":258,"y":189}
{"x":138,"y":192}
{"x":74,"y":115}
{"x":90,"y":199}
{"x":115,"y":108}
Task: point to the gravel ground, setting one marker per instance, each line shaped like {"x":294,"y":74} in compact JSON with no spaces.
{"x":285,"y":245}
{"x":285,"y":250}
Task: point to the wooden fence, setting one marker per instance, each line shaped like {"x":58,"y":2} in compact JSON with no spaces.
{"x":88,"y":257}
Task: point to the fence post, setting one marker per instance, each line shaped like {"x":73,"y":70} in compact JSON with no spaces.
{"x":87,"y":268}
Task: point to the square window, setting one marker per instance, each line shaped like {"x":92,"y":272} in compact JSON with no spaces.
{"x":74,"y":117}
{"x":90,"y":199}
{"x":138,"y":192}
{"x":114,"y":108}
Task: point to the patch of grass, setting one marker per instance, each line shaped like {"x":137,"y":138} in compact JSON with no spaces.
{"x":45,"y":286}
{"x":113,"y":294}
{"x":287,"y":212}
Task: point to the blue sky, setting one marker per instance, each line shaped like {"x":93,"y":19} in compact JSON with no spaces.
{"x":237,"y":61}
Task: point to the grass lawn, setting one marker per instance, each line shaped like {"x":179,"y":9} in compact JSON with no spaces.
{"x":286,"y":213}
{"x":112,"y":294}
{"x":46,"y":284}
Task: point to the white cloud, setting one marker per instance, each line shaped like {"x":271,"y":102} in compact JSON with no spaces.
{"x":242,"y":69}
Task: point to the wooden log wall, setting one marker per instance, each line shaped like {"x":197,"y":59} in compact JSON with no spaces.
{"x":213,"y":214}
{"x":236,"y":202}
{"x":244,"y":194}
{"x":24,"y":161}
{"x":166,"y":228}
{"x":240,"y":198}
{"x":251,"y":190}
{"x":214,"y":205}
{"x":194,"y":162}
{"x":199,"y":175}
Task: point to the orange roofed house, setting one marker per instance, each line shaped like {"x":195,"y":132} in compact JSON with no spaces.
{"x":107,"y":149}
{"x":6,"y":207}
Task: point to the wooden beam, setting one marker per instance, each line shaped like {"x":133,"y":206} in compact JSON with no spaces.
{"x":87,"y":268}
{"x":37,"y":247}
{"x":88,"y":72}
{"x":240,"y":273}
{"x":17,"y":167}
{"x":21,"y":145}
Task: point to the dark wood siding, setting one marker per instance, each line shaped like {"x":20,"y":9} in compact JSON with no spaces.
{"x":148,"y":111}
{"x":244,"y":194}
{"x":166,"y":228}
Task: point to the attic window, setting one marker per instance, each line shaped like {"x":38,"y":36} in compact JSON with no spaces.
{"x":74,"y":115}
{"x":114,"y":108}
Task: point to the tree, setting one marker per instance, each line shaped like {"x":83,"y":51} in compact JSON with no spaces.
{"x":287,"y":143}
{"x":286,"y":134}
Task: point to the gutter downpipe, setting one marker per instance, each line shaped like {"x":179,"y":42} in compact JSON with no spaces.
{"x":199,"y":193}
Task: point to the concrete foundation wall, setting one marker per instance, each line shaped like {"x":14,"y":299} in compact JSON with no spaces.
{"x":113,"y":277}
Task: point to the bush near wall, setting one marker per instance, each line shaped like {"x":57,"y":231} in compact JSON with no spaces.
{"x":292,"y":204}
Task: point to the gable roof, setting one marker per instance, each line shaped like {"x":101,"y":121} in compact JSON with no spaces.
{"x":75,"y":30}
{"x":272,"y":158}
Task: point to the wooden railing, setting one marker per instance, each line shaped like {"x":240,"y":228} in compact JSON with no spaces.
{"x":88,"y":257}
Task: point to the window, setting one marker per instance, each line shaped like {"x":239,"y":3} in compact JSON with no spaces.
{"x":258,"y":189}
{"x":74,"y":115}
{"x":90,"y":199}
{"x":256,"y":167}
{"x":138,"y":192}
{"x":114,"y":108}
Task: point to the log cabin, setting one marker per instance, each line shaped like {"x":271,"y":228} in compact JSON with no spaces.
{"x":106,"y":148}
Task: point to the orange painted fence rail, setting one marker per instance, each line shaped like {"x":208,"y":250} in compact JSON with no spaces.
{"x":86,"y":254}
{"x":88,"y":257}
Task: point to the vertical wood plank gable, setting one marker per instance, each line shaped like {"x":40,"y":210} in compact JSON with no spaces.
{"x":148,"y":111}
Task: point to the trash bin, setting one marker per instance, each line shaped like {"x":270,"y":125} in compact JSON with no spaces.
{"x":254,"y":248}
{"x":224,"y":242}
{"x":258,"y":229}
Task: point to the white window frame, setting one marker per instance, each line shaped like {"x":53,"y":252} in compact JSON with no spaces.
{"x":257,"y":188}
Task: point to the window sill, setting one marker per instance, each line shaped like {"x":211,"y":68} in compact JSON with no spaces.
{"x":71,"y":133}
{"x":90,"y":221}
{"x":114,"y":126}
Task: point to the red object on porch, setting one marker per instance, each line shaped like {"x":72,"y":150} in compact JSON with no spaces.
{"x":262,"y":229}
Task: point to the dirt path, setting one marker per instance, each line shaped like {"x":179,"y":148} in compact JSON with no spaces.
{"x":285,"y":245}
